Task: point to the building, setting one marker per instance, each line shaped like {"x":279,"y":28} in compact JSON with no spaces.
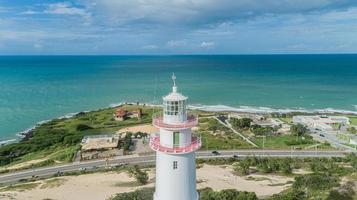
{"x":175,"y":148}
{"x":321,"y":122}
{"x":100,"y":146}
{"x":137,"y":113}
{"x":122,"y":114}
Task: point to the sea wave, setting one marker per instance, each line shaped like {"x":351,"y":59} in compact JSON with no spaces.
{"x":3,"y":142}
{"x":249,"y":109}
{"x":252,"y":109}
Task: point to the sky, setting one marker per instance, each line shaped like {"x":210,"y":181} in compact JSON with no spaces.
{"x":122,"y":27}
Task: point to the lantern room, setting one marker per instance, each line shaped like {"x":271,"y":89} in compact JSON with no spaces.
{"x":175,"y":106}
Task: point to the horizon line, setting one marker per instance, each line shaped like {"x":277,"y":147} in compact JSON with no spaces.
{"x":158,"y":55}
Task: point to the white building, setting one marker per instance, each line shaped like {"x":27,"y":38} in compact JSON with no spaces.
{"x":321,"y":122}
{"x":175,"y":148}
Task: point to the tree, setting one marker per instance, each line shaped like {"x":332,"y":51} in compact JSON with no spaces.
{"x":298,"y":129}
{"x":260,"y":130}
{"x":352,"y":130}
{"x":141,"y":177}
{"x":127,"y":142}
{"x":241,"y":123}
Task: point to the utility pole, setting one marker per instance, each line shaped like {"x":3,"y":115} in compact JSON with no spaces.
{"x":264,"y":146}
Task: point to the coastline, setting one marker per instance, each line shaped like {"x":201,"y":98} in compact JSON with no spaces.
{"x":27,"y":133}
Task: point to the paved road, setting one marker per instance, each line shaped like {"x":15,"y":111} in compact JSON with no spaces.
{"x":331,"y":138}
{"x":47,"y":171}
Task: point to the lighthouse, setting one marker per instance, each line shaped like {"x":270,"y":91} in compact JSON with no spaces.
{"x":175,"y":148}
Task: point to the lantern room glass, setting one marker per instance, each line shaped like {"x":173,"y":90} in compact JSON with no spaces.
{"x":175,"y":108}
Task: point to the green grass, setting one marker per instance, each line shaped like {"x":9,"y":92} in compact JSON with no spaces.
{"x":353,"y":120}
{"x":216,"y":136}
{"x":287,"y":119}
{"x":280,"y":142}
{"x":212,"y":142}
{"x":127,"y":184}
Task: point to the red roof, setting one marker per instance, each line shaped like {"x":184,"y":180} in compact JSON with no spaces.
{"x":120,"y":112}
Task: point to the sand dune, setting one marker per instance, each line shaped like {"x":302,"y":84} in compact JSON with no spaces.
{"x":100,"y":186}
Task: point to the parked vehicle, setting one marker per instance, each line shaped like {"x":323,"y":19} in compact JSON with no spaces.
{"x":82,"y":169}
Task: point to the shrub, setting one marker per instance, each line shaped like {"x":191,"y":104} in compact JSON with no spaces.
{"x":290,"y":195}
{"x":230,"y":194}
{"x":345,"y":192}
{"x":83,"y":127}
{"x":141,"y":177}
{"x":242,"y":167}
{"x":352,"y":130}
{"x":141,"y":194}
{"x":294,"y":142}
{"x":315,"y":182}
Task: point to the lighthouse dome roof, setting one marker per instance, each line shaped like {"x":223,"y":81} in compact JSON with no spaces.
{"x":174,"y":96}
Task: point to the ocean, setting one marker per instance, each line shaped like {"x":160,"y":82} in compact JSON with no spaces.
{"x":37,"y":88}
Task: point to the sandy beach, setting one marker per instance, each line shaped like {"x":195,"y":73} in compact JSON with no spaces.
{"x":145,"y":128}
{"x":100,"y":186}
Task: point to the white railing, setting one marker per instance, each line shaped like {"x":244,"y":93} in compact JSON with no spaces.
{"x":158,"y":121}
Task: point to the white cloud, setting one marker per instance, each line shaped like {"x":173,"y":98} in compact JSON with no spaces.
{"x":62,"y":8}
{"x":203,"y":12}
{"x":150,"y":46}
{"x":29,"y":35}
{"x":207,"y":44}
{"x":30,"y":12}
{"x":65,"y":8}
{"x":176,"y":43}
{"x":3,"y":9}
{"x":38,"y":46}
{"x":184,"y":26}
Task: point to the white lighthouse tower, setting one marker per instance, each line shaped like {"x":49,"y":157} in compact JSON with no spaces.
{"x":175,"y":148}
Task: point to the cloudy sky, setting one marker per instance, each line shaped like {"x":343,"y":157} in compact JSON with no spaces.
{"x":177,"y":26}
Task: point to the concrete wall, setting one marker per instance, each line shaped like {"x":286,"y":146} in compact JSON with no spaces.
{"x":175,"y":184}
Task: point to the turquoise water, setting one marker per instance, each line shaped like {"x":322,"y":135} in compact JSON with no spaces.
{"x":33,"y":89}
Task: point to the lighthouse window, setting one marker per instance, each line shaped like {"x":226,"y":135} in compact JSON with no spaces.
{"x":175,"y":165}
{"x":174,"y":107}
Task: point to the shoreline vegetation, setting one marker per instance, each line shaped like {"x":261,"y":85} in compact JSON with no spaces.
{"x":57,"y":141}
{"x":27,"y":133}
